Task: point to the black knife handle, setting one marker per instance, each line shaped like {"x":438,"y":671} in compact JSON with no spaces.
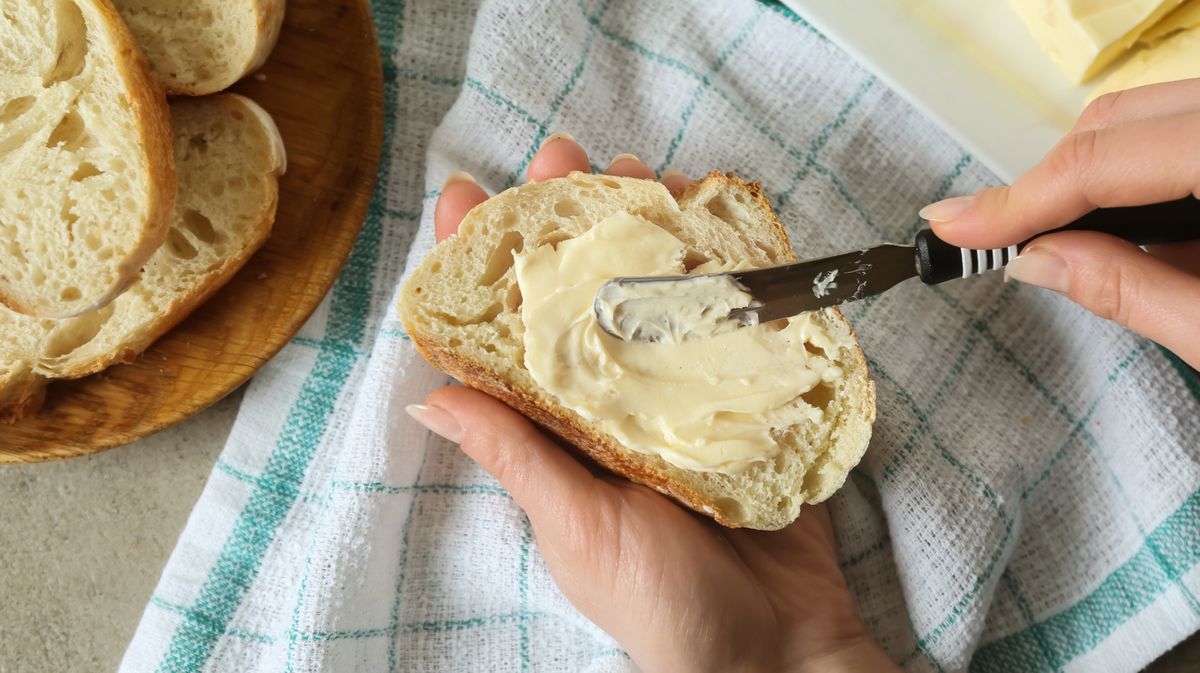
{"x":1169,"y":222}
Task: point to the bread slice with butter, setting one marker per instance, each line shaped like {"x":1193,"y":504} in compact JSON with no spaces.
{"x":86,"y":174}
{"x":463,"y":309}
{"x":229,"y":156}
{"x":199,"y":47}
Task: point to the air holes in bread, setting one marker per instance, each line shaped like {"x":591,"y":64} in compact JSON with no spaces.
{"x":178,"y":245}
{"x":551,"y":235}
{"x":488,"y":315}
{"x":73,"y":333}
{"x":814,"y":350}
{"x":70,"y":294}
{"x":67,"y":214}
{"x":784,"y":504}
{"x":501,"y":259}
{"x":15,"y":108}
{"x":775,"y":325}
{"x":436,"y":268}
{"x":17,"y":253}
{"x":86,"y":170}
{"x":512,"y":298}
{"x":198,"y":143}
{"x":568,"y":208}
{"x":722,"y":209}
{"x":767,"y":251}
{"x":780,"y":463}
{"x":200,"y":226}
{"x":819,"y":397}
{"x":692,"y":260}
{"x":610,"y":183}
{"x":69,"y":134}
{"x":731,"y":509}
{"x":72,"y":44}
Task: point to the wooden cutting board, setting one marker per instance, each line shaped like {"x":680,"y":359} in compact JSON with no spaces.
{"x":324,"y":87}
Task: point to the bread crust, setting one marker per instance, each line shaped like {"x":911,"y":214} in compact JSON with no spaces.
{"x":21,"y":395}
{"x":148,"y":101}
{"x":268,"y":21}
{"x":215,"y":279}
{"x":23,"y":390}
{"x":644,"y":469}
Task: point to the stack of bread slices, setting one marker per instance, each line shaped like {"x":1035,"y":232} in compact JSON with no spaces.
{"x":121,"y":210}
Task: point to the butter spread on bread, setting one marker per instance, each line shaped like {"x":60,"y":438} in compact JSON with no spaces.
{"x":701,"y":404}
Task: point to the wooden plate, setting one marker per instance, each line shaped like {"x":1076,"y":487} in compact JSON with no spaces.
{"x":324,"y":86}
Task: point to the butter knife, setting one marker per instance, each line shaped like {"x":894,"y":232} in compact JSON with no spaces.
{"x":787,"y":290}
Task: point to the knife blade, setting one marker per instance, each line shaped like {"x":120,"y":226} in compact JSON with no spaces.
{"x":659,"y":308}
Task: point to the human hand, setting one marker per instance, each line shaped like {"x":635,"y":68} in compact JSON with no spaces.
{"x":1128,"y":148}
{"x":676,"y":590}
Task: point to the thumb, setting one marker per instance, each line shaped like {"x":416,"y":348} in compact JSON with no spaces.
{"x":1118,"y":281}
{"x":538,"y":474}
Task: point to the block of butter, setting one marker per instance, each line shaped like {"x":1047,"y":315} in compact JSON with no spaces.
{"x":1173,"y":54}
{"x":1085,"y":36}
{"x":1185,"y":18}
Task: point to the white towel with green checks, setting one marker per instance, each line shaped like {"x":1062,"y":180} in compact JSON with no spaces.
{"x":1030,"y":500}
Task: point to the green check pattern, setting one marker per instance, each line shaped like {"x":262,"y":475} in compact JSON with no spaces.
{"x":1031,"y":498}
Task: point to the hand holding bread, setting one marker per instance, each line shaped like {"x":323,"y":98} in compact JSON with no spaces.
{"x":631,"y":559}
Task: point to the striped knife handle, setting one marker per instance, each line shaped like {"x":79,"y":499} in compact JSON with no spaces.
{"x":1169,"y":222}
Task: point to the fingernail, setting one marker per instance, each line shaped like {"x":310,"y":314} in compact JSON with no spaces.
{"x":623,"y":157}
{"x":1041,"y":268}
{"x":456,"y":177}
{"x":947,"y":209}
{"x":671,"y":172}
{"x":557,"y":135}
{"x":437,"y":421}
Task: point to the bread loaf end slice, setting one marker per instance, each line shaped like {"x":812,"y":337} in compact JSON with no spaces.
{"x":461,"y":308}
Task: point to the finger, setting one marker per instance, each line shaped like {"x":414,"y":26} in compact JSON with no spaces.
{"x":460,"y":193}
{"x":542,"y":479}
{"x":1143,"y":102}
{"x":629,"y":166}
{"x":559,"y":155}
{"x":675,"y":180}
{"x":1142,"y":162}
{"x":1118,"y":281}
{"x":1182,"y":256}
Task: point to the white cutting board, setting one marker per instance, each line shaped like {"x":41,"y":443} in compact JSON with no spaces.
{"x":970,"y":65}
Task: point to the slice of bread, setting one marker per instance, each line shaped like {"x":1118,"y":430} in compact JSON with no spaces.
{"x":199,"y":47}
{"x":86,"y":173}
{"x":461,"y":308}
{"x":229,"y":156}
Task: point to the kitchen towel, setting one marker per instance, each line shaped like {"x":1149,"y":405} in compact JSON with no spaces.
{"x":1030,"y":499}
